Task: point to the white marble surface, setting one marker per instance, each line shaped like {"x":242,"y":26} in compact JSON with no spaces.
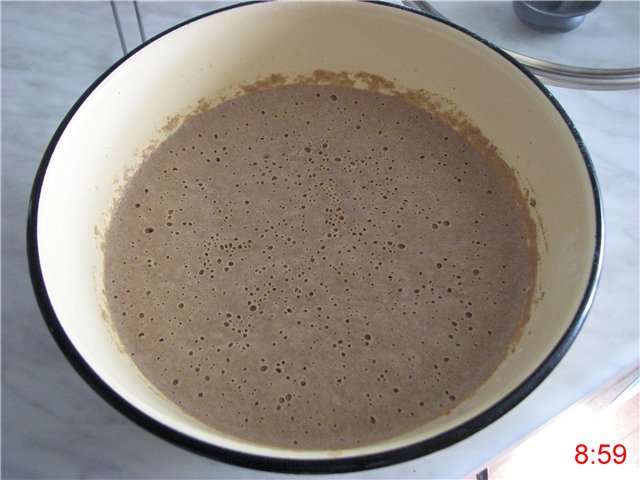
{"x":55,"y":426}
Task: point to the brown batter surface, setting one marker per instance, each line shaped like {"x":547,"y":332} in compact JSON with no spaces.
{"x":318,"y":267}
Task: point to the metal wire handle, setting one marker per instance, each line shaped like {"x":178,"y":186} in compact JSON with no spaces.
{"x":116,"y":18}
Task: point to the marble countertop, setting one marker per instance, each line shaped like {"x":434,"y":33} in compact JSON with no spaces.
{"x":55,"y":426}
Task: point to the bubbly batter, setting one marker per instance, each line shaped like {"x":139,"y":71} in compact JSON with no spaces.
{"x":318,"y":267}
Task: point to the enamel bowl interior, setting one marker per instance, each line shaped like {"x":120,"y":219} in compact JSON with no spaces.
{"x":125,"y":112}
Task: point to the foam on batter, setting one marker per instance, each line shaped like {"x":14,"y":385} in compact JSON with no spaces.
{"x":318,"y":267}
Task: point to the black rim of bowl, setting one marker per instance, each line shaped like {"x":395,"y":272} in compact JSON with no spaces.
{"x":336,"y":465}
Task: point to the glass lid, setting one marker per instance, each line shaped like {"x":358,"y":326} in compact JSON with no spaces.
{"x":590,"y":45}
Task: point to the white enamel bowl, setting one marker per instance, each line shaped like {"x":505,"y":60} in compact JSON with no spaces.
{"x":123,"y":112}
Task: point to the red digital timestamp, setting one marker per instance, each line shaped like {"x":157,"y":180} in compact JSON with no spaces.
{"x":605,"y":454}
